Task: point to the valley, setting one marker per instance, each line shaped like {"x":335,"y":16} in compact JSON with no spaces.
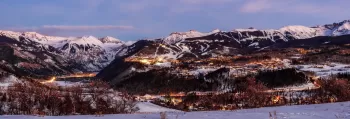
{"x":187,"y":71}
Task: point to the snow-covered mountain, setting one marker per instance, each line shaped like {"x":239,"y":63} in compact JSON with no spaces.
{"x":192,"y":45}
{"x":86,"y":54}
{"x":295,"y":31}
{"x":179,"y":36}
{"x":198,"y":44}
{"x":109,"y":39}
{"x":92,"y":54}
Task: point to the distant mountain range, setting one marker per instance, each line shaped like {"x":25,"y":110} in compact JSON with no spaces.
{"x":33,"y":54}
{"x":192,"y":45}
{"x":197,"y":44}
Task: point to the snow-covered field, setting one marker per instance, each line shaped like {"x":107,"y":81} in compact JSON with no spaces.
{"x":9,"y":80}
{"x":150,"y":107}
{"x":305,"y":86}
{"x":325,"y":70}
{"x":66,"y":83}
{"x":320,"y":111}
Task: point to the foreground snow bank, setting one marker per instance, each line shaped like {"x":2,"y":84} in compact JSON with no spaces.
{"x":320,"y":111}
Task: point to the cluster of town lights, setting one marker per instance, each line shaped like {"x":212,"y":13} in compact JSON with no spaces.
{"x":150,"y":61}
{"x":52,"y":79}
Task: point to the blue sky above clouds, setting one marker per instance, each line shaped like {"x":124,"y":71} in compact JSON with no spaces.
{"x":136,"y":19}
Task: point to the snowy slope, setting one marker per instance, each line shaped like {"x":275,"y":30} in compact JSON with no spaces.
{"x":302,"y":32}
{"x":96,"y":53}
{"x":320,"y":111}
{"x":197,"y":44}
{"x":296,"y":31}
{"x":9,"y":80}
{"x":179,"y":36}
{"x":325,"y":70}
{"x":91,"y":52}
{"x":150,"y":107}
{"x":185,"y":46}
{"x":109,"y":39}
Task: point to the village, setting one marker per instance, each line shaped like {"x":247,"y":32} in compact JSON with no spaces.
{"x":192,"y":68}
{"x":205,"y":101}
{"x":238,"y":66}
{"x":212,"y":100}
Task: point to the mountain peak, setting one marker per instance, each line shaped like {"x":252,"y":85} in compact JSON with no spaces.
{"x":11,"y":34}
{"x":34,"y":35}
{"x":89,"y":37}
{"x":85,"y":40}
{"x":297,"y":28}
{"x":109,"y":39}
{"x":178,"y":36}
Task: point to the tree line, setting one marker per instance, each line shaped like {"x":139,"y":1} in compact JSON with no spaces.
{"x":254,"y":95}
{"x":161,"y":81}
{"x":94,"y":98}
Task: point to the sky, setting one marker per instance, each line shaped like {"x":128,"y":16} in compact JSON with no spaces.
{"x":140,"y":19}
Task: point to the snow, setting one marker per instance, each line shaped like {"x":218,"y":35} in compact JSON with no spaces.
{"x":318,"y":111}
{"x":295,"y":57}
{"x":301,"y":32}
{"x":297,"y":31}
{"x":165,"y":64}
{"x":325,"y":70}
{"x":297,"y":88}
{"x":254,"y":44}
{"x":179,"y":36}
{"x":94,"y":52}
{"x":215,"y":31}
{"x":109,"y":39}
{"x":128,"y":43}
{"x":342,"y":30}
{"x":150,"y":107}
{"x":58,"y":42}
{"x":105,"y":49}
{"x":202,"y":71}
{"x":326,"y":42}
{"x":9,"y":80}
{"x":46,"y":40}
{"x":245,"y":34}
{"x":86,"y":40}
{"x":11,"y":34}
{"x":66,"y":83}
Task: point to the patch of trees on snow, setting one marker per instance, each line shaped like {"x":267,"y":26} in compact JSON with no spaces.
{"x":94,"y":98}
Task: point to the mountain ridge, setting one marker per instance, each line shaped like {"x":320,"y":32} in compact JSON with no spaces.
{"x":92,"y":54}
{"x":237,"y":42}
